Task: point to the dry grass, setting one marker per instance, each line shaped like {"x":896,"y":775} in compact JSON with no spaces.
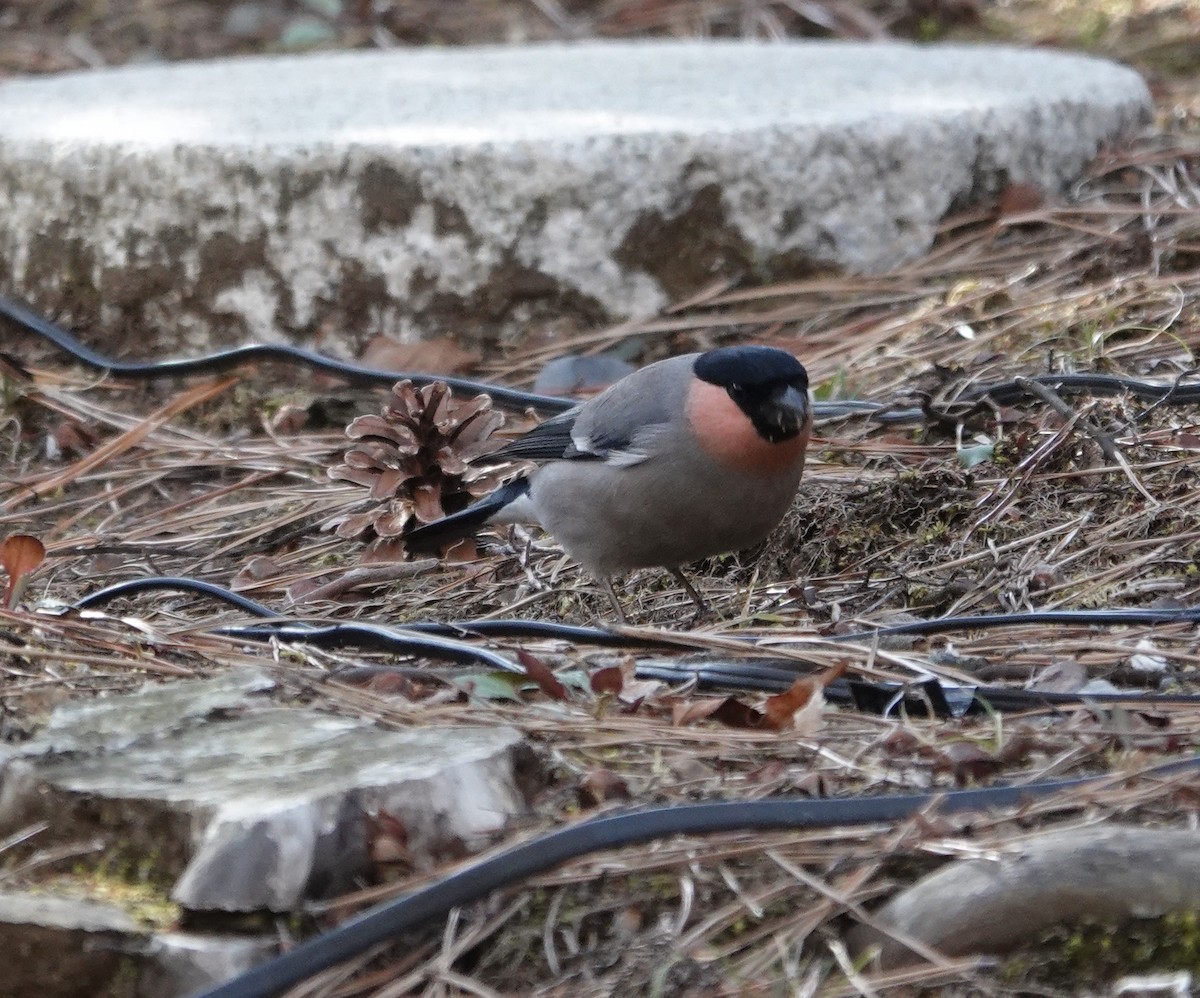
{"x":889,"y":520}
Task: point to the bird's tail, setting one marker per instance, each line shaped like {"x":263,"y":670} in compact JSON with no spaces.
{"x":432,"y":537}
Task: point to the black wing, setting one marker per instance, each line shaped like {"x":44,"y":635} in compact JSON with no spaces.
{"x":551,"y":441}
{"x":559,"y":439}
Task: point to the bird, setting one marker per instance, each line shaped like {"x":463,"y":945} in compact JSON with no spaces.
{"x":686,"y":458}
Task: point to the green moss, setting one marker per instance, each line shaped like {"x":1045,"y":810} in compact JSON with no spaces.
{"x":142,"y":901}
{"x":1091,"y":955}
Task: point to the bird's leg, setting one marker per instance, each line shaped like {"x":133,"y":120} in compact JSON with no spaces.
{"x":606,"y":582}
{"x":702,"y":610}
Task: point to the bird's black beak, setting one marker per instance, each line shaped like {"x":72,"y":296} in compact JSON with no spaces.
{"x":787,"y":411}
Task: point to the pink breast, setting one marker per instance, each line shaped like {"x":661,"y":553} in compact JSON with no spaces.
{"x":726,"y":434}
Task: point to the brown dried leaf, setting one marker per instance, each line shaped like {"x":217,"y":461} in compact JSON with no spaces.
{"x":72,"y":437}
{"x":728,"y":710}
{"x":1019,"y":199}
{"x":289,"y":419}
{"x":387,"y":839}
{"x":300,"y":590}
{"x":609,"y":680}
{"x":601,"y":785}
{"x":685,"y":712}
{"x":780,"y":708}
{"x":253,"y":572}
{"x":438,"y":356}
{"x":1063,"y":676}
{"x":540,"y":673}
{"x":773,"y":771}
{"x":20,"y":554}
{"x":968,"y":762}
{"x":636,"y":691}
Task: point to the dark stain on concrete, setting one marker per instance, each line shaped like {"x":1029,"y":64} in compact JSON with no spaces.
{"x":387,"y":197}
{"x":296,"y":185}
{"x":357,"y":299}
{"x":512,"y":292}
{"x":225,"y":259}
{"x":688,"y":249}
{"x":61,"y":268}
{"x":130,"y":288}
{"x":793,"y":218}
{"x":449,"y":220}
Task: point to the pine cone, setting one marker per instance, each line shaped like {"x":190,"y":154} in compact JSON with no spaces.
{"x":415,"y":456}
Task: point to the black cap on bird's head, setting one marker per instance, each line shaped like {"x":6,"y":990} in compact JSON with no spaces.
{"x":769,"y":385}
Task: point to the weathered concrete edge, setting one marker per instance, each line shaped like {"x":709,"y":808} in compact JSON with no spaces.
{"x":509,"y":234}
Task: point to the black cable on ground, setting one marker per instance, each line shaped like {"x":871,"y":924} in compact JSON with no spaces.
{"x":346,"y":633}
{"x":1005,"y":392}
{"x":436,"y":640}
{"x":599,"y":636}
{"x":423,"y":907}
{"x":224,"y":360}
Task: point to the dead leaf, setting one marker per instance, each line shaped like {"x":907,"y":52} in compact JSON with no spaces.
{"x":387,"y":839}
{"x":901,"y":742}
{"x":437,"y":356}
{"x":289,"y":419}
{"x":1019,"y":199}
{"x":727,"y":710}
{"x":635,"y":692}
{"x":1064,"y":676}
{"x":784,"y":710}
{"x":780,"y":708}
{"x":810,"y":718}
{"x":968,"y":762}
{"x":771,"y":772}
{"x":601,"y":785}
{"x":610,"y":680}
{"x":255,"y":571}
{"x":43,"y":484}
{"x":301,"y":590}
{"x":812,"y":784}
{"x":71,"y":437}
{"x":540,"y":673}
{"x":686,"y":768}
{"x":20,"y":554}
{"x":1146,"y":658}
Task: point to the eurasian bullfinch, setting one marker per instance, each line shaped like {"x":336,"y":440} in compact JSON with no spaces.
{"x":685,"y":458}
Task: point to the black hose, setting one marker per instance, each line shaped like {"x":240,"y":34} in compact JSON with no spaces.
{"x":423,"y":907}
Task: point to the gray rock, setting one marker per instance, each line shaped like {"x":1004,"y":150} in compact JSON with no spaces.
{"x":257,"y":806}
{"x":52,"y":912}
{"x":57,"y":946}
{"x":157,"y":709}
{"x":479,"y":190}
{"x":572,"y":374}
{"x":182,"y":963}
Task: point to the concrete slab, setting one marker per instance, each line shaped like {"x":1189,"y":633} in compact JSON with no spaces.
{"x":329,"y":198}
{"x":58,"y":944}
{"x":250,"y":805}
